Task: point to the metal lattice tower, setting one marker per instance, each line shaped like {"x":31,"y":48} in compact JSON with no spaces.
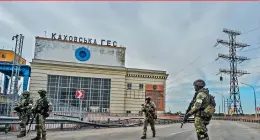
{"x":234,"y":73}
{"x":13,"y":89}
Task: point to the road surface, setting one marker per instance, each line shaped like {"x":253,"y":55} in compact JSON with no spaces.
{"x":218,"y":130}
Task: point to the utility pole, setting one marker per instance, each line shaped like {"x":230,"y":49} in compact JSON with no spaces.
{"x":227,"y":103}
{"x":13,"y":89}
{"x":234,"y":73}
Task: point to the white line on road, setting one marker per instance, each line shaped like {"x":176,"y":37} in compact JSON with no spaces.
{"x":180,"y":132}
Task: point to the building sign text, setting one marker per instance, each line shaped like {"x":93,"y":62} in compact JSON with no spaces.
{"x":56,"y":36}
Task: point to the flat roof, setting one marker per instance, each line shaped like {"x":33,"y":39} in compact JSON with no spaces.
{"x":145,"y":70}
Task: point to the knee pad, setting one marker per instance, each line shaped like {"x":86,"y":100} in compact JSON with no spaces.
{"x":202,"y":135}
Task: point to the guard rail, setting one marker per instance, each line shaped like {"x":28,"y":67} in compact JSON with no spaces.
{"x":238,"y":119}
{"x":7,"y":121}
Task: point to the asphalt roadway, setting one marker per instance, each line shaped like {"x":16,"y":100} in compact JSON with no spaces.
{"x":218,"y":130}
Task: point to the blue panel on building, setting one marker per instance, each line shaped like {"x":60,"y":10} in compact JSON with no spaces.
{"x":25,"y":72}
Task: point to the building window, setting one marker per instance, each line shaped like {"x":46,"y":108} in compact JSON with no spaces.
{"x":3,"y":56}
{"x":128,"y":112}
{"x":62,"y":90}
{"x":141,"y":86}
{"x":129,"y":86}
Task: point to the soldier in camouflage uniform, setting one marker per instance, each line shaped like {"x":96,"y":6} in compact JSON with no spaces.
{"x":149,"y":109}
{"x":42,"y":108}
{"x":23,"y":108}
{"x":199,"y":103}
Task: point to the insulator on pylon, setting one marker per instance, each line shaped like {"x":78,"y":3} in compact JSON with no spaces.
{"x":221,"y":78}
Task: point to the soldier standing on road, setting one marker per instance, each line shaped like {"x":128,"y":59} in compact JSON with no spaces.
{"x":149,"y":109}
{"x":202,"y":107}
{"x":42,"y":108}
{"x":23,"y":109}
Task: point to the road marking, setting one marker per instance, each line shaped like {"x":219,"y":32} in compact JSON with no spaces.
{"x":181,"y":132}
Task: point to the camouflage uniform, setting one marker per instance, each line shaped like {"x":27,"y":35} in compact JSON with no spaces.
{"x":23,"y":109}
{"x":149,"y":110}
{"x":200,"y":102}
{"x":42,"y":109}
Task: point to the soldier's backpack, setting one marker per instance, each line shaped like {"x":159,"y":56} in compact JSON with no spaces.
{"x":210,"y":109}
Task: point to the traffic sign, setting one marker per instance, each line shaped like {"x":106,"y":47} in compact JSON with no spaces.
{"x":258,"y":109}
{"x":80,"y":94}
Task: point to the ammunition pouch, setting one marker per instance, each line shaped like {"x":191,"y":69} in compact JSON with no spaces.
{"x":155,"y":116}
{"x":45,"y":112}
{"x":209,"y":110}
{"x":206,"y":116}
{"x":18,"y":109}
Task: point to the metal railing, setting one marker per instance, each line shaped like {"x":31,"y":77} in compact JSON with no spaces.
{"x":78,"y":124}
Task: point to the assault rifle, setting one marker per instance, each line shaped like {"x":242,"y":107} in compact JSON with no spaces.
{"x":153,"y":115}
{"x":34,"y":115}
{"x":189,"y":108}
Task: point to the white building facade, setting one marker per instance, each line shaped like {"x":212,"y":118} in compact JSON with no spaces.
{"x":63,"y":67}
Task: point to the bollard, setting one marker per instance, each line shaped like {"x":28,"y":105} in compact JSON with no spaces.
{"x":61,"y":127}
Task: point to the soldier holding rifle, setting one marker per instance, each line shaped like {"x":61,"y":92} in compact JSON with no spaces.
{"x":149,"y":109}
{"x":23,"y":108}
{"x":202,"y":107}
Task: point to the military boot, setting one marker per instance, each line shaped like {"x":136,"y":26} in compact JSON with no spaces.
{"x":143,"y":137}
{"x":43,"y":136}
{"x":153,"y":134}
{"x":22,"y":134}
{"x":38,"y":137}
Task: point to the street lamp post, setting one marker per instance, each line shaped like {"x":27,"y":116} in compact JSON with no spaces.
{"x":223,"y":106}
{"x":254,"y":97}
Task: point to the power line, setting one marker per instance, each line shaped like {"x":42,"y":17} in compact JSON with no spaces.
{"x":187,"y":66}
{"x":191,"y":73}
{"x":252,"y":49}
{"x":249,"y":31}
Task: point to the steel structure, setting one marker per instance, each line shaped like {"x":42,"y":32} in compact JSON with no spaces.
{"x":13,"y":88}
{"x":234,"y":73}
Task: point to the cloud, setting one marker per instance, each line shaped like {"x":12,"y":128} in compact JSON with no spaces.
{"x":164,"y":36}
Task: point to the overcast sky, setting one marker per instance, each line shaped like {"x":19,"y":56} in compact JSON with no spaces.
{"x":163,"y":36}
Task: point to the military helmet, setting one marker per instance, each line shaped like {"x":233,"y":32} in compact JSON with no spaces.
{"x":43,"y":92}
{"x":199,"y":83}
{"x":148,"y":98}
{"x":26,"y":93}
